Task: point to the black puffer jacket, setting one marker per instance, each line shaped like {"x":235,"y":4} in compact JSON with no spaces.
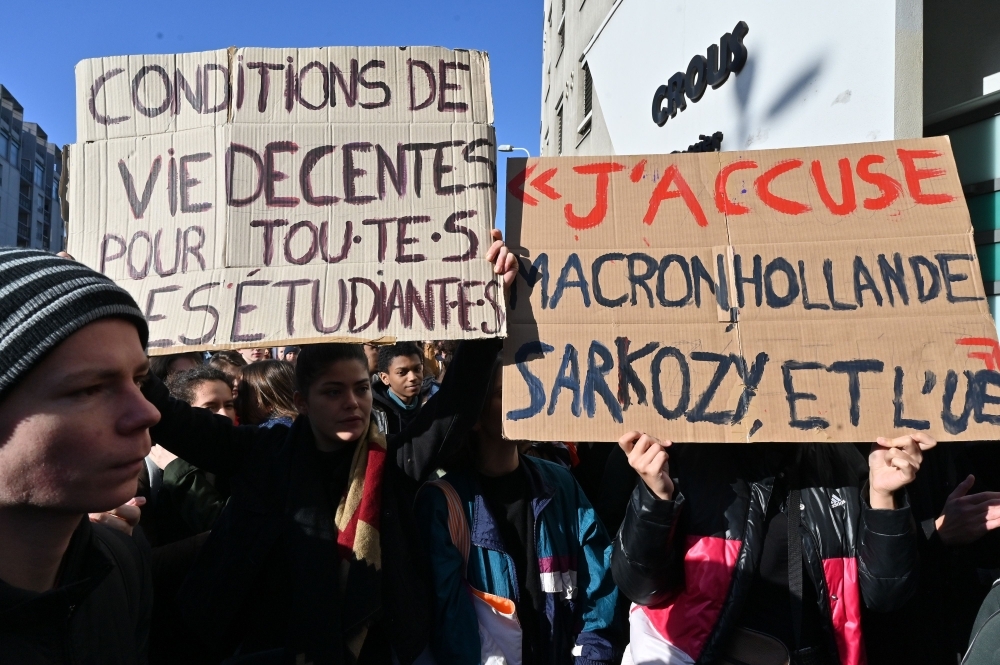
{"x":97,"y":615}
{"x":691,"y":560}
{"x":267,"y":580}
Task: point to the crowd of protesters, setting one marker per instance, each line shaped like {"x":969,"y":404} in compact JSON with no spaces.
{"x":343,"y":503}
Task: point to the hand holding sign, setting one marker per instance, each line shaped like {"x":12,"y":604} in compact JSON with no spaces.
{"x":504,"y":263}
{"x":648,"y":456}
{"x":966,"y":518}
{"x":893,"y":464}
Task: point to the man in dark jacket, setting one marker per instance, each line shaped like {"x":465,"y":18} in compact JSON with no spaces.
{"x":74,"y":430}
{"x":786,"y":540}
{"x":402,"y":388}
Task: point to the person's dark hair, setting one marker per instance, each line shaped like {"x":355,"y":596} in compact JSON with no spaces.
{"x":230,"y":363}
{"x":386,"y":354}
{"x":316,"y":358}
{"x":184,"y":384}
{"x":160,"y":365}
{"x":266,"y":388}
{"x":229,"y":357}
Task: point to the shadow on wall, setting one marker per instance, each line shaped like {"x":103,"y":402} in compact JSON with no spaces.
{"x":745,"y":80}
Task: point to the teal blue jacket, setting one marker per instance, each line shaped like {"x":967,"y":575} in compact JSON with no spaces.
{"x":574,"y":558}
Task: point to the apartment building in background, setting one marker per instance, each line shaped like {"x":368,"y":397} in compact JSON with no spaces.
{"x":30,"y":167}
{"x":572,"y":121}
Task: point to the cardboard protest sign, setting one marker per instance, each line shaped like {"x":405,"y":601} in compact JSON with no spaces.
{"x":255,"y":197}
{"x":812,"y":294}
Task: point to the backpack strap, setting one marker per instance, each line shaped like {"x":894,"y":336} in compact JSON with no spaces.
{"x":458,"y":526}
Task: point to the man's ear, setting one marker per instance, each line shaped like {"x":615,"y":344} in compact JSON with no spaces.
{"x":301,"y":405}
{"x":384,"y":377}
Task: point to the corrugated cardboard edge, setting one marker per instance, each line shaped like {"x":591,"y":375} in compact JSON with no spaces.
{"x":231,"y":55}
{"x":489,"y":93}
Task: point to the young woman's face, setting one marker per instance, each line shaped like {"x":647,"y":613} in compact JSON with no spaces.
{"x":215,"y":396}
{"x":339,"y":403}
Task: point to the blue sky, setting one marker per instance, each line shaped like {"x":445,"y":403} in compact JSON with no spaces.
{"x":40,"y":42}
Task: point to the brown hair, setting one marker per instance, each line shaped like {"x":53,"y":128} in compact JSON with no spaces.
{"x":160,"y":365}
{"x":316,"y":358}
{"x":230,"y":363}
{"x":265,"y":392}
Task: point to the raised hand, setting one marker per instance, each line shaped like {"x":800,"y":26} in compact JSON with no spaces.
{"x":648,"y":456}
{"x":967,"y":517}
{"x":504,"y":263}
{"x":893,"y":464}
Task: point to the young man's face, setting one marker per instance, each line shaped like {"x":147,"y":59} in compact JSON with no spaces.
{"x":75,"y":430}
{"x":253,"y":355}
{"x":215,"y":396}
{"x":339,"y":402}
{"x":404,"y":377}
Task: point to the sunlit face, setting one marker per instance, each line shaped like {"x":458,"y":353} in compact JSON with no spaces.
{"x":405,"y":376}
{"x":254,"y":355}
{"x":75,"y":430}
{"x":215,"y":396}
{"x":339,"y":404}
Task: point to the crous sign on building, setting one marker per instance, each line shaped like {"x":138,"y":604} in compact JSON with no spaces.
{"x":703,"y":71}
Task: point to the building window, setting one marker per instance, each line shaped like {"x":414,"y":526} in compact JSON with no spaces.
{"x":559,"y":130}
{"x":23,"y":229}
{"x":588,"y":102}
{"x":39,"y":176}
{"x":562,"y":36}
{"x":4,"y":142}
{"x":15,"y":152}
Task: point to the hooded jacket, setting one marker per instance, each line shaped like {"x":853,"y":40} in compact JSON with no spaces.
{"x":99,"y":612}
{"x":690,"y":561}
{"x":268,"y":574}
{"x":573,"y":553}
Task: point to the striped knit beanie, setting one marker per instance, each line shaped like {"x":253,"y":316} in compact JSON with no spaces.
{"x":44,"y":299}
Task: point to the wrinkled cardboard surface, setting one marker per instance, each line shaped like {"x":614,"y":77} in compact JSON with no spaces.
{"x":696,"y":359}
{"x":239,"y":210}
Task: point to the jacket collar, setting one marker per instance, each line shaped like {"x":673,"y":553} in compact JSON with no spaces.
{"x":84,"y":567}
{"x":485,"y":532}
